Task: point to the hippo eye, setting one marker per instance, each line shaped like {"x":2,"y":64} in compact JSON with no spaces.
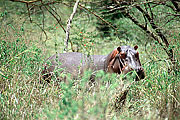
{"x":123,"y":55}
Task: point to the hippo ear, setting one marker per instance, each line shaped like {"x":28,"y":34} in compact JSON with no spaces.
{"x":119,"y":49}
{"x":112,"y":55}
{"x":135,"y":47}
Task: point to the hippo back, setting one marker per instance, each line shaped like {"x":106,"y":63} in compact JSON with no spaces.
{"x":75,"y":63}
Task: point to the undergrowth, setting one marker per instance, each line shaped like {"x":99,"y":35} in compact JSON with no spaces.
{"x":22,"y":96}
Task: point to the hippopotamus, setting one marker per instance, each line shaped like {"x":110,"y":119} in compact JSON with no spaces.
{"x":121,"y":60}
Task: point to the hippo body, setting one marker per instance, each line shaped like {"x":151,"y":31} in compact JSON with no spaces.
{"x":121,"y":60}
{"x":76,"y":63}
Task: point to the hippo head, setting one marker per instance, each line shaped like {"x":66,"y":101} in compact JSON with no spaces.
{"x":132,"y":62}
{"x":125,"y":59}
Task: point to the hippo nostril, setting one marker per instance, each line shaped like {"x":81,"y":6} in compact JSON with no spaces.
{"x":139,"y":69}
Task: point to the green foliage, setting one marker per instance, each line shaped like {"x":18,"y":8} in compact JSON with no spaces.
{"x":15,"y":52}
{"x":83,"y":40}
{"x":82,"y":99}
{"x":23,"y":48}
{"x":19,"y":60}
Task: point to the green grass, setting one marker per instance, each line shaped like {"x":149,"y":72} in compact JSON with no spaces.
{"x":23,"y":50}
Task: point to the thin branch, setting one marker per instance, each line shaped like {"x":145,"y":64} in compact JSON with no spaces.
{"x":43,"y":20}
{"x":99,"y":17}
{"x":175,"y":3}
{"x":55,"y":17}
{"x":171,"y":14}
{"x":55,"y":12}
{"x":141,"y":26}
{"x":151,"y":21}
{"x":152,"y":15}
{"x":29,"y":14}
{"x":41,"y":29}
{"x":25,"y":1}
{"x":69,"y":26}
{"x":159,"y":33}
{"x":145,"y":29}
{"x":134,"y":5}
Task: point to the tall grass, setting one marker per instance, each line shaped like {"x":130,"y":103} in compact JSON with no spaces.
{"x":23,"y":97}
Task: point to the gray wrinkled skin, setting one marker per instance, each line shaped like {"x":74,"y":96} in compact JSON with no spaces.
{"x":133,"y":62}
{"x":76,"y":63}
{"x":131,"y":59}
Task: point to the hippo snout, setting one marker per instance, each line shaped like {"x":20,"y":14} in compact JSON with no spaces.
{"x":140,"y":72}
{"x":139,"y":69}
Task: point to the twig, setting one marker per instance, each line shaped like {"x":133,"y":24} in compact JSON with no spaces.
{"x":69,"y":26}
{"x":29,"y":12}
{"x":99,"y":17}
{"x":175,"y":3}
{"x":27,"y":2}
{"x":55,"y":17}
{"x":159,"y":33}
{"x":133,"y":5}
{"x":42,"y":30}
{"x":43,"y":20}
